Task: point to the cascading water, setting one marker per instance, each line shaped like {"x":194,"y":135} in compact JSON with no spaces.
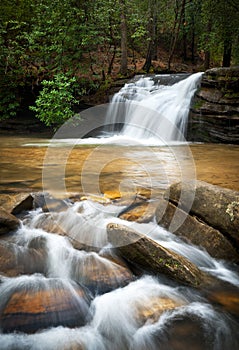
{"x":91,"y":301}
{"x":66,"y":288}
{"x":148,"y":109}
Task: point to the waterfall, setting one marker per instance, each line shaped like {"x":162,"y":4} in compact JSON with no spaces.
{"x":149,"y":109}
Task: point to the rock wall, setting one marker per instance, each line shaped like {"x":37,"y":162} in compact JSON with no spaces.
{"x":214,"y":114}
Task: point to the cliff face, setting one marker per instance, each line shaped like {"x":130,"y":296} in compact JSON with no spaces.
{"x":214,"y":115}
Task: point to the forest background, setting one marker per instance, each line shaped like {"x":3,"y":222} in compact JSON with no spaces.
{"x":55,"y":52}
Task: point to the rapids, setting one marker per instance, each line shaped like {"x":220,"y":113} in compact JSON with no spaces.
{"x":77,"y":293}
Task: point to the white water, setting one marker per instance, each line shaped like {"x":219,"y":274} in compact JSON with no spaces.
{"x":154,"y":112}
{"x":115,"y":324}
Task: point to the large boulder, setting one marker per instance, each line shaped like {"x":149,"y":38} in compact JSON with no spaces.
{"x":8,"y":222}
{"x":36,"y":303}
{"x":214,"y":115}
{"x":216,"y":206}
{"x":151,"y":257}
{"x":195,"y":231}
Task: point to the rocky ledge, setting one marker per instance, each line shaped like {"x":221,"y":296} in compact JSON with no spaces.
{"x":210,"y":220}
{"x":214,"y":115}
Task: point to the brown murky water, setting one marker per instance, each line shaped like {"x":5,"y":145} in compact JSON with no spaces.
{"x":30,"y":165}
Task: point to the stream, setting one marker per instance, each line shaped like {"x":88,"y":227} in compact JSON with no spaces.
{"x":74,"y":292}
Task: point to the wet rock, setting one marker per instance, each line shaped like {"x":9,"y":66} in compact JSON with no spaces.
{"x":216,"y":206}
{"x":142,"y":212}
{"x":51,"y":222}
{"x":214,"y":115}
{"x":184,"y":333}
{"x":142,"y":192}
{"x":145,"y":253}
{"x":55,"y":205}
{"x":8,"y":260}
{"x":16,"y":203}
{"x":226,"y":295}
{"x":95,"y":198}
{"x":8,"y":222}
{"x":100,"y":275}
{"x":48,"y":203}
{"x":37,"y":303}
{"x":16,"y":260}
{"x":151,"y":310}
{"x":195,"y":231}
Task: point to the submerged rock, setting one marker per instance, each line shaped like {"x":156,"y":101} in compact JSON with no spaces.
{"x":36,"y":303}
{"x":8,"y":222}
{"x":216,"y":206}
{"x":151,"y":310}
{"x":142,"y":212}
{"x":8,"y":260}
{"x":195,"y":231}
{"x":150,"y":256}
{"x":99,"y":274}
{"x":52,"y":223}
{"x":17,"y":260}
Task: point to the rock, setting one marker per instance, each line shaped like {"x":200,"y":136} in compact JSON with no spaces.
{"x":50,"y":222}
{"x":195,"y":231}
{"x":37,"y":303}
{"x":48,"y":203}
{"x":150,"y":256}
{"x":214,"y":115}
{"x":97,"y":199}
{"x":99,"y":274}
{"x":183,"y":332}
{"x":142,"y":212}
{"x":226,"y":295}
{"x":8,"y":260}
{"x":8,"y":222}
{"x":16,"y":260}
{"x":216,"y":206}
{"x":151,"y":310}
{"x":55,"y":205}
{"x":16,"y":203}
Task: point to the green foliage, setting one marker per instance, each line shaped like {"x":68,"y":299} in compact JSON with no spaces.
{"x":83,"y":38}
{"x":54,"y":104}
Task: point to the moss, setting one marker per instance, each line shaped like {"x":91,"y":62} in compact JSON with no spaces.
{"x":232,"y":95}
{"x":198,"y":104}
{"x":232,"y":210}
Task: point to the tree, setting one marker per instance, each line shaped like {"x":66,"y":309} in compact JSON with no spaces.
{"x":219,"y":38}
{"x":152,"y":31}
{"x":54,"y":104}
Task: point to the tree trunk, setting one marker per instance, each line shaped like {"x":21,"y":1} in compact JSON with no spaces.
{"x":176,"y":30}
{"x":152,"y":50}
{"x":123,"y":27}
{"x":207,"y":51}
{"x":193,"y":43}
{"x":227,"y":53}
{"x":185,"y":57}
{"x":112,"y":61}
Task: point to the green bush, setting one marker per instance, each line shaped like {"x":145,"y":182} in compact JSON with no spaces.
{"x":55,"y":102}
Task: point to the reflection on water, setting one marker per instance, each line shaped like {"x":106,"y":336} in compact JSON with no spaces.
{"x":113,"y":167}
